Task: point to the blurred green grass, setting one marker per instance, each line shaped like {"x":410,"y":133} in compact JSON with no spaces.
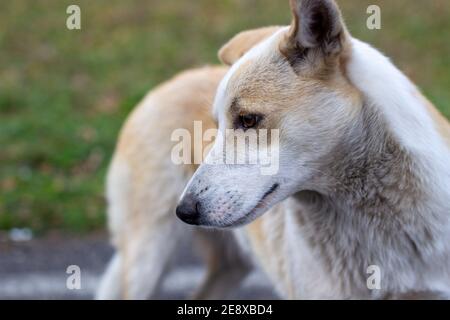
{"x":64,"y":94}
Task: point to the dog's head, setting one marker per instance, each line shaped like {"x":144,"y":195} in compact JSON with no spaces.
{"x":286,"y":84}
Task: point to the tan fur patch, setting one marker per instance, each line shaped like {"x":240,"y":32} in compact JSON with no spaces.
{"x":242,"y":42}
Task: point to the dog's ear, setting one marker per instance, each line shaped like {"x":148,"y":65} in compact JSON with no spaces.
{"x":243,"y":42}
{"x":316,"y":24}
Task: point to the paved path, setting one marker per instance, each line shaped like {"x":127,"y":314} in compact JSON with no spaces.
{"x":36,"y":269}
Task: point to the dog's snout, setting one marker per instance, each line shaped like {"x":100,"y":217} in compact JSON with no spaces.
{"x":188,"y":210}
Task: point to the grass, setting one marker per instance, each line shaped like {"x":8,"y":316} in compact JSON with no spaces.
{"x":64,"y":94}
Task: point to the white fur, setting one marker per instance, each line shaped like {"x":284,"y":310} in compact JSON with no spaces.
{"x":408,"y":118}
{"x":374,"y":75}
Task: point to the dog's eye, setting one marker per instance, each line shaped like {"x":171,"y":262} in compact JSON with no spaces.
{"x":248,"y":121}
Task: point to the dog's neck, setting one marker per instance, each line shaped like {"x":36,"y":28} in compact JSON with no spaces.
{"x":369,"y":172}
{"x":371,"y":208}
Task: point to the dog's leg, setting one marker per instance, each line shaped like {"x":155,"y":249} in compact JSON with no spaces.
{"x":149,"y":255}
{"x":226,"y":265}
{"x":144,"y":229}
{"x":137,"y":268}
{"x":110,"y":284}
{"x":118,"y":195}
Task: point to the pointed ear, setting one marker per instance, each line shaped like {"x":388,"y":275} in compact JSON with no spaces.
{"x":316,"y":24}
{"x":243,"y":42}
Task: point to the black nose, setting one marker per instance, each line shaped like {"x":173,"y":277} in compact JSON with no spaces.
{"x":188,"y":210}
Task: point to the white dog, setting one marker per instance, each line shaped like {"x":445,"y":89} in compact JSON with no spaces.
{"x":363,"y":176}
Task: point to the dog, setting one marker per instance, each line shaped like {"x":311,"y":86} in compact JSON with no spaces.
{"x":363,"y":179}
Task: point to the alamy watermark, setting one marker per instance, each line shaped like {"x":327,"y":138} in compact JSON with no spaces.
{"x":374,"y":280}
{"x":73,"y":21}
{"x":373,"y":22}
{"x":73,"y":281}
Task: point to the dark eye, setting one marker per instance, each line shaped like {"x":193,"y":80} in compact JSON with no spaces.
{"x":249,"y":120}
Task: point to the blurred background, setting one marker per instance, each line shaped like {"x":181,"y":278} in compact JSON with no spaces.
{"x":65,"y":93}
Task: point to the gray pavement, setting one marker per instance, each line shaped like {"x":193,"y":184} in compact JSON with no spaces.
{"x":36,"y":269}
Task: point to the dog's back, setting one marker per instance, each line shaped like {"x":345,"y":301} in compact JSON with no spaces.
{"x":143,"y":184}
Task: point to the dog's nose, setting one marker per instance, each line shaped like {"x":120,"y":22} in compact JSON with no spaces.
{"x":188,"y":210}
